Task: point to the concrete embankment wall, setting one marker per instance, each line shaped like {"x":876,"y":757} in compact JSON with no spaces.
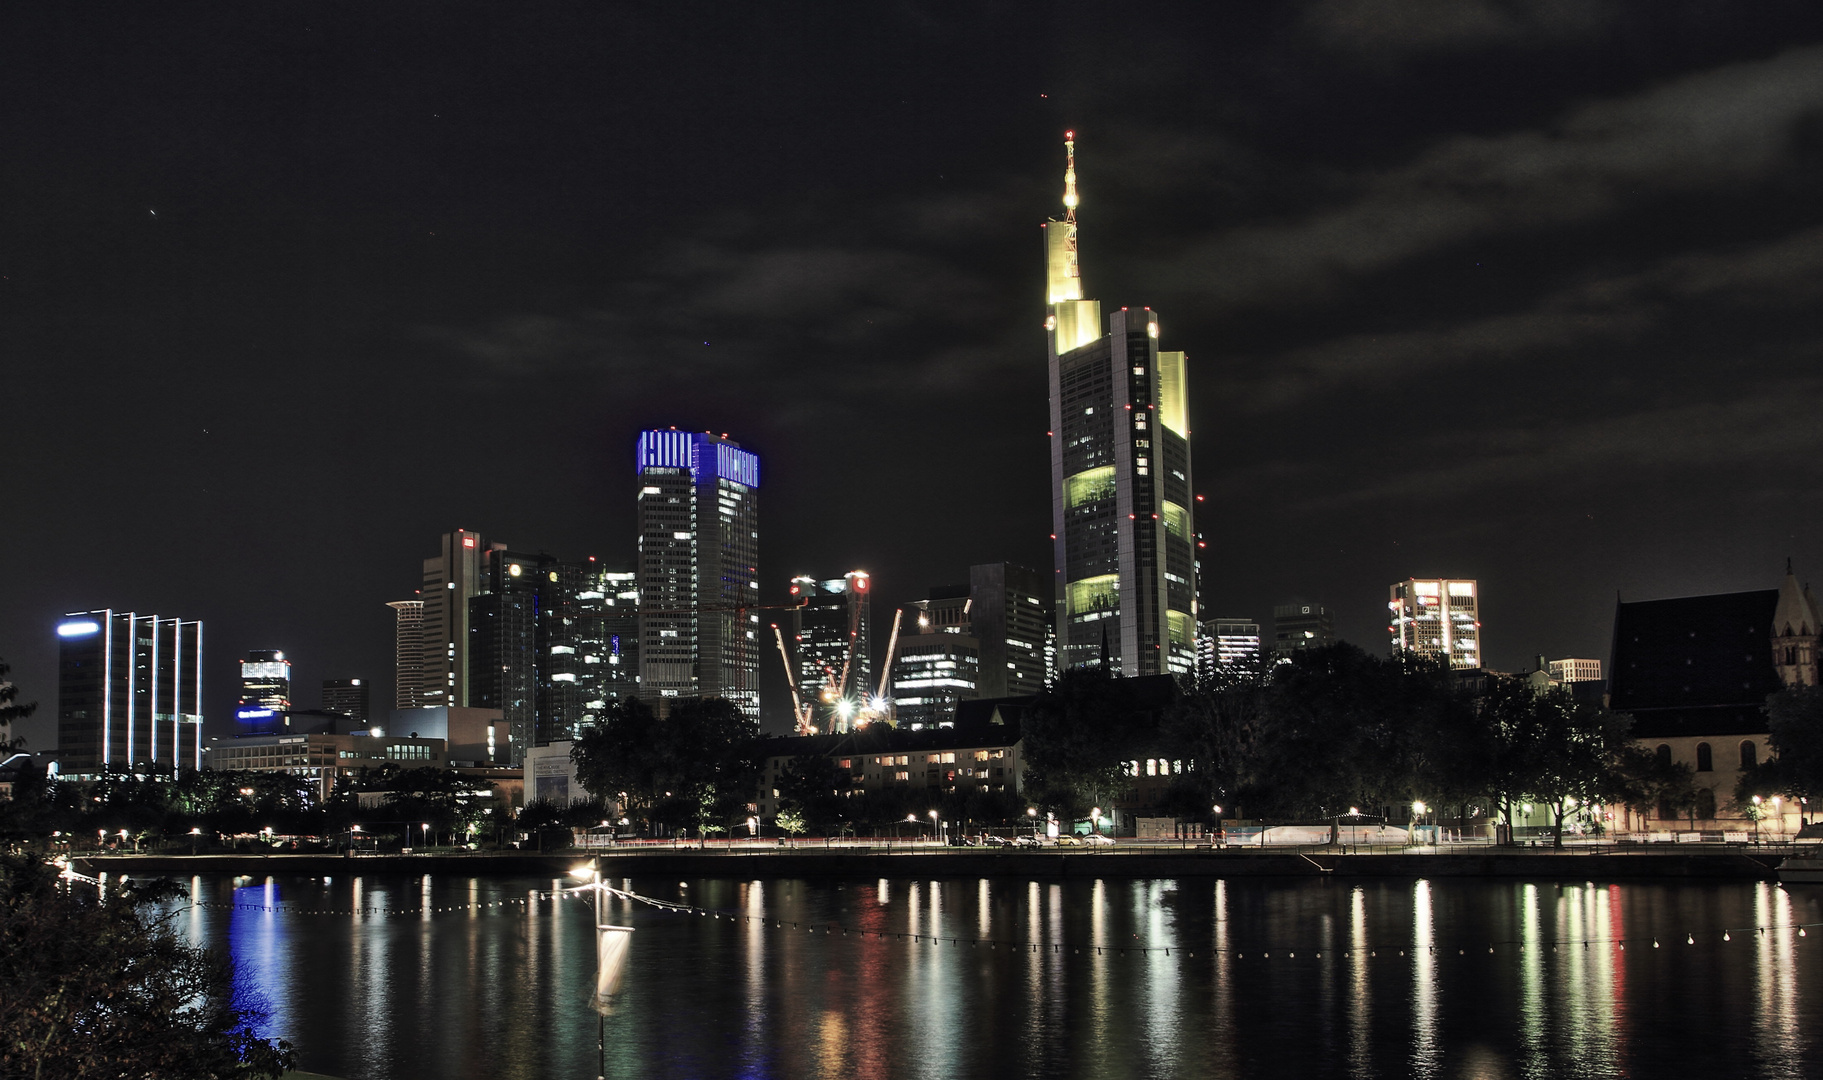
{"x":860,"y":865}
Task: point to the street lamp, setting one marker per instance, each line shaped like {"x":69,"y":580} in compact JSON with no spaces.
{"x":1095,"y":818}
{"x":1756,"y":819}
{"x":1417,"y":813}
{"x":1218,"y":821}
{"x":426,"y":834}
{"x":936,"y":825}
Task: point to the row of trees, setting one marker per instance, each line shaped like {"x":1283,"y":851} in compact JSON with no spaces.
{"x":150,"y":809}
{"x":1337,"y":728}
{"x":1795,"y":722}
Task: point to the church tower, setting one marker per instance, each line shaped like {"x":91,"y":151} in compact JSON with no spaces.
{"x":1794,"y":633}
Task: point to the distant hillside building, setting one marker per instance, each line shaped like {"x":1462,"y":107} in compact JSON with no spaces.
{"x":129,"y":692}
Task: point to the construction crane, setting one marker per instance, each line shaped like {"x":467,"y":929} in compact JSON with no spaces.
{"x":800,"y":712}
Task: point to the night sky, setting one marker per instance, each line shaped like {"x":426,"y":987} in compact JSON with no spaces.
{"x":1520,"y":292}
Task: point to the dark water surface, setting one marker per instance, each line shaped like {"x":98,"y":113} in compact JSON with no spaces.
{"x":1281,"y":978}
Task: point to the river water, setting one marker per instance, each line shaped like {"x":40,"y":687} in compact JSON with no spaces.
{"x":456,"y":977}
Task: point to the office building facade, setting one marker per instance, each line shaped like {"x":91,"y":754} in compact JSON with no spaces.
{"x":1232,"y":643}
{"x":266,"y":680}
{"x":408,"y":654}
{"x":452,"y":578}
{"x":129,"y":692}
{"x":698,"y":522}
{"x":1575,"y":671}
{"x":988,"y":639}
{"x":1437,"y":617}
{"x":348,"y":697}
{"x":607,"y":641}
{"x":828,"y":632}
{"x":1301,"y":624}
{"x":1122,"y":521}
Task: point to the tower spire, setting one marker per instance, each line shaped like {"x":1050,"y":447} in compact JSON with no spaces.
{"x":1069,"y":208}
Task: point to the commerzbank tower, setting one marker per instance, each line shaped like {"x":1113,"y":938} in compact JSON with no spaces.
{"x":1121,"y":510}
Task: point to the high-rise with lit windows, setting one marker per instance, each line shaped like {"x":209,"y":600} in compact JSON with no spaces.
{"x":452,"y":577}
{"x":607,"y":639}
{"x":408,"y":654}
{"x":698,"y":521}
{"x":1122,"y":524}
{"x":266,"y":680}
{"x":829,"y":637}
{"x":1437,"y":617}
{"x":129,"y":693}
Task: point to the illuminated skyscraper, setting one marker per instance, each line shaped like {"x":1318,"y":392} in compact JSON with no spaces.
{"x":1437,"y":617}
{"x":452,"y":577}
{"x":350,"y":697}
{"x":1228,"y":643}
{"x":266,"y":680}
{"x":607,"y":640}
{"x":1301,"y":625}
{"x":698,"y":569}
{"x":829,"y":638}
{"x":1120,"y":475}
{"x":408,"y":654}
{"x":129,"y":692}
{"x":988,"y":639}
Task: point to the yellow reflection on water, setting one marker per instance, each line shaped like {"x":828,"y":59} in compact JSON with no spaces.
{"x":1775,"y":1001}
{"x":1424,"y":982}
{"x":1361,"y":1008}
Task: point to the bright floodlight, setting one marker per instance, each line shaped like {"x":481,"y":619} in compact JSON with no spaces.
{"x":582,"y":873}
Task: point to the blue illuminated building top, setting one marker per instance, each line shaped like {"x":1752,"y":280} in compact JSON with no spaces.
{"x":700,"y":453}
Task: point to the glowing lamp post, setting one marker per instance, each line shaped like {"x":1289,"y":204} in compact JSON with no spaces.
{"x":1756,"y":819}
{"x":1417,"y":815}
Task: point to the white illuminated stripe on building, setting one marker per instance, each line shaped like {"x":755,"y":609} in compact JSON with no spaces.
{"x":132,"y":618}
{"x":197,"y":759}
{"x":107,"y":688}
{"x":152,"y":713}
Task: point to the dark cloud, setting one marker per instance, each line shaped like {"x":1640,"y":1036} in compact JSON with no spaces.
{"x":1524,"y":291}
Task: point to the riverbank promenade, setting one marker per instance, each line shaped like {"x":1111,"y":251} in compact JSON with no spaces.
{"x":857,"y":860}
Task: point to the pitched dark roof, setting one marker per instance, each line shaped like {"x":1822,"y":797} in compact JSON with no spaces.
{"x":1695,"y":665}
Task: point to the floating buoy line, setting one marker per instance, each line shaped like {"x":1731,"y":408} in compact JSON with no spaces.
{"x":833,"y":930}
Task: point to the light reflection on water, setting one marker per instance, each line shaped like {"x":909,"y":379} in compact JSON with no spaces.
{"x":1384,"y":978}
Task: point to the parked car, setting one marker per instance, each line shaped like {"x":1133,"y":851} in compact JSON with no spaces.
{"x":1098,"y":839}
{"x":1029,"y":840}
{"x":1069,"y":840}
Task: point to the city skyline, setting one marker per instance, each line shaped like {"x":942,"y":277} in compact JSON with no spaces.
{"x":1521,"y":296}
